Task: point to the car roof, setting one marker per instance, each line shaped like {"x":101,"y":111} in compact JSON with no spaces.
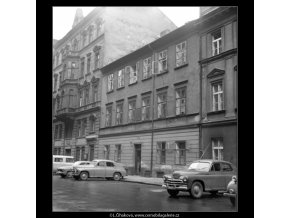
{"x":62,"y":156}
{"x":213,"y":161}
{"x":98,"y":160}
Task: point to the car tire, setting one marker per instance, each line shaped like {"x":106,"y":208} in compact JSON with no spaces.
{"x":172,"y":193}
{"x":196,"y":190}
{"x":117,"y":176}
{"x":62,"y":176}
{"x":233,"y":200}
{"x":84,"y":176}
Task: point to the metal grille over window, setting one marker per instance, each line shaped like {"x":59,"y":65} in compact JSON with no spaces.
{"x":180,"y":54}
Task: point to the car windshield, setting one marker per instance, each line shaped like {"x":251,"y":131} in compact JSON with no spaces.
{"x":199,"y":166}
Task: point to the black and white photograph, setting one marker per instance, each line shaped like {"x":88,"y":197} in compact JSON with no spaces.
{"x":145,"y":109}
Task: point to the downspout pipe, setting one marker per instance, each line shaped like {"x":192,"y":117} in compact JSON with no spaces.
{"x":200,"y":96}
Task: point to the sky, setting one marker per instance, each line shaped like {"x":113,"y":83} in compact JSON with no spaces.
{"x":63,"y":17}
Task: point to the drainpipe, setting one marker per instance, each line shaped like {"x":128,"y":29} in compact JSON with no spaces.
{"x":200,"y":96}
{"x":152,"y":118}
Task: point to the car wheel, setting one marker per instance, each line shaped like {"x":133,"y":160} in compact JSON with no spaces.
{"x":63,"y":176}
{"x":117,"y":176}
{"x":233,"y":200}
{"x":172,"y":193}
{"x":84,"y":176}
{"x":196,"y":190}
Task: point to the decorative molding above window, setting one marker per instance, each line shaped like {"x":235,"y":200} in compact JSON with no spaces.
{"x":215,"y":72}
{"x":83,"y":85}
{"x":97,"y":48}
{"x":94,"y":80}
{"x":89,"y":54}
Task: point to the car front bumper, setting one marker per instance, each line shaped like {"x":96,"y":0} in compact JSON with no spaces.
{"x":60,"y":173}
{"x":177,"y":187}
{"x":229,"y":194}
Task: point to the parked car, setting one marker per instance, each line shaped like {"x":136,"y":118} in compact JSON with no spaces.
{"x":201,"y":176}
{"x":102,"y":168}
{"x":67,"y":171}
{"x":61,"y":161}
{"x":232,"y":190}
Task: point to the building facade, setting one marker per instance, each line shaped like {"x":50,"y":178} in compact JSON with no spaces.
{"x":174,"y":100}
{"x":107,"y":33}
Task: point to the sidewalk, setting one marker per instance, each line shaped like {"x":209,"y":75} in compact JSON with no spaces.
{"x":144,"y":180}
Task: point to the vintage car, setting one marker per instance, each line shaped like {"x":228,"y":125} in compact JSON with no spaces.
{"x":61,"y":161}
{"x":201,"y":176}
{"x":102,"y":168}
{"x":232,"y":190}
{"x":67,"y":171}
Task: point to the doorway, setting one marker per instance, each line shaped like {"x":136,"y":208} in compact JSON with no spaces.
{"x":137,"y":159}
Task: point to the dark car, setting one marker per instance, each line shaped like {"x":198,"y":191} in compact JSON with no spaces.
{"x":232,"y":190}
{"x":201,"y":176}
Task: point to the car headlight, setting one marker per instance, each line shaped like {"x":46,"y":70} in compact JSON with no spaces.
{"x":231,"y":191}
{"x":183,"y":178}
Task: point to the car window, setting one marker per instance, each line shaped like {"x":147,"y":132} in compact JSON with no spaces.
{"x":69,"y":160}
{"x":217,"y":166}
{"x":226,"y":167}
{"x":102,"y":164}
{"x":110,"y":164}
{"x":82,"y":164}
{"x":58,"y":159}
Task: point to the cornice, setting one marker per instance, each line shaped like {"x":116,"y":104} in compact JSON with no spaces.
{"x":219,"y":56}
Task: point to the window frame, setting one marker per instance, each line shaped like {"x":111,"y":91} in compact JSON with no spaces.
{"x":121,"y":78}
{"x":181,"y":52}
{"x":216,"y":50}
{"x":108,"y":118}
{"x":147,"y":66}
{"x":146,"y":109}
{"x":119,"y":120}
{"x":110,"y":82}
{"x":180,"y":98}
{"x":177,"y":143}
{"x":219,"y":148}
{"x":162,"y":103}
{"x":163,"y":59}
{"x":221,"y":100}
{"x":133,"y":110}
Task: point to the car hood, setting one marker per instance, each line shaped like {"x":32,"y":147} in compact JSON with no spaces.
{"x":65,"y":168}
{"x":177,"y":174}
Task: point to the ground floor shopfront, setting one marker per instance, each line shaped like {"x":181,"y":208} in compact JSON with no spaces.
{"x":172,"y":149}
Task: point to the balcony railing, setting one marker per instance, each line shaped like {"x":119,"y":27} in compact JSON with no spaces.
{"x":88,"y":106}
{"x":65,"y":111}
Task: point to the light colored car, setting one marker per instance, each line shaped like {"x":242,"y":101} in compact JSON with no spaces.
{"x":201,"y":176}
{"x":61,"y":161}
{"x":232,"y":190}
{"x":102,"y":168}
{"x":67,"y":171}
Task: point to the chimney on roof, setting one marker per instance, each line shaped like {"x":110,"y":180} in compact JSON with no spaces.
{"x":78,"y":17}
{"x":164,"y":32}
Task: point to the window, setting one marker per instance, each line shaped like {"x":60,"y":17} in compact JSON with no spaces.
{"x":217,"y":96}
{"x":107,"y":152}
{"x":89,"y":63}
{"x":82,"y":66}
{"x":217,"y":148}
{"x":110,"y":82}
{"x":75,"y":45}
{"x":84,"y":38}
{"x":161,"y":105}
{"x":180,"y":153}
{"x":180,"y":100}
{"x":119,"y":113}
{"x":97,"y":60}
{"x":118,"y":153}
{"x":62,"y":100}
{"x":92,"y":124}
{"x":68,"y":160}
{"x":132,"y":73}
{"x":60,"y":131}
{"x":216,"y":167}
{"x":226,"y":167}
{"x":161,"y":150}
{"x":81,"y":98}
{"x":121,"y":78}
{"x":181,"y":54}
{"x":60,"y":79}
{"x":147,"y":68}
{"x":84,"y":126}
{"x":216,"y":43}
{"x":58,"y":159}
{"x":58,"y":103}
{"x":146,"y":108}
{"x":110,"y":164}
{"x":55,"y":83}
{"x":56,"y":132}
{"x":90,"y":34}
{"x":87,"y":99}
{"x":102,"y":164}
{"x":109,"y":116}
{"x":95,"y":95}
{"x":83,"y":153}
{"x":162,"y":61}
{"x":64,"y":72}
{"x":132,"y":109}
{"x":78,"y":128}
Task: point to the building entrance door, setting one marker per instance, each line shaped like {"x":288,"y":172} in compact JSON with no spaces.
{"x":137,"y":159}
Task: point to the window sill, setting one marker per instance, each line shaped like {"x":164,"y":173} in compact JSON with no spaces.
{"x":181,"y":66}
{"x":162,"y":72}
{"x":110,"y":91}
{"x":120,"y":88}
{"x":133,"y":83}
{"x":216,"y":112}
{"x":150,"y":77}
